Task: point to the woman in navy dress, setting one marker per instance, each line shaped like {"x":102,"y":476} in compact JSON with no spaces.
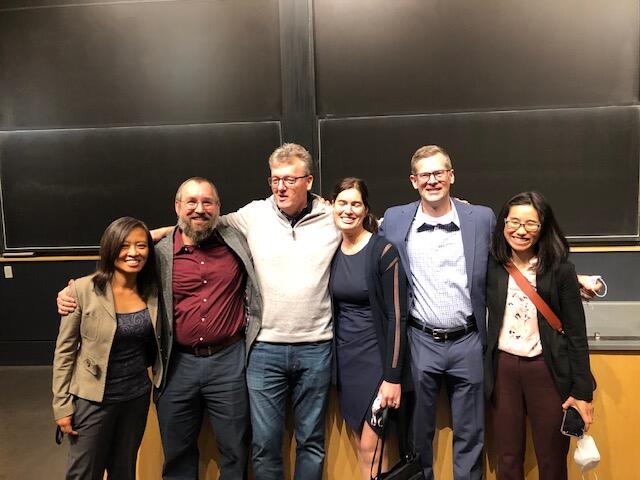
{"x":369,"y":291}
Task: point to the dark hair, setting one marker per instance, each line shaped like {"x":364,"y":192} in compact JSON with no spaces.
{"x":370,"y":222}
{"x":110,"y":244}
{"x":551,"y":248}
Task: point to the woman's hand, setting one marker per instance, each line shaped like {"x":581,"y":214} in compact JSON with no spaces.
{"x":65,"y":425}
{"x":390,"y":394}
{"x":585,"y":409}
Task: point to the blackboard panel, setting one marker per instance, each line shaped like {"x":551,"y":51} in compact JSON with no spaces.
{"x":419,"y":56}
{"x":60,"y":188}
{"x":139,"y":63}
{"x":584,"y":160}
{"x":619,"y":269}
{"x":34,"y":286}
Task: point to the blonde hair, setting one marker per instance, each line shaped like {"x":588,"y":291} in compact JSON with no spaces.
{"x":429,"y":151}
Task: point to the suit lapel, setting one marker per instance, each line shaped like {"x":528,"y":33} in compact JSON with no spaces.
{"x":106,"y":301}
{"x":406,"y":218}
{"x":405,"y":221}
{"x":233,"y":244}
{"x":543,"y":287}
{"x":502,"y":284}
{"x":152,"y":305}
{"x":468,"y":231}
{"x":164,"y":255}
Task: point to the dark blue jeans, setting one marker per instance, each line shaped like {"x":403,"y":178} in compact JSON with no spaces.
{"x":196,"y":385}
{"x":274,"y":371}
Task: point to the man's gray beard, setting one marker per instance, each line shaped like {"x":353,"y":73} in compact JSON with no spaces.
{"x":198,"y":236}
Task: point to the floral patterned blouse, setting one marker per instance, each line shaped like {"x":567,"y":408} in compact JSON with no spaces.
{"x":519,"y":334}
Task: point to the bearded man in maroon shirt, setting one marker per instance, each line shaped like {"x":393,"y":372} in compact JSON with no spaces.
{"x":210,"y":297}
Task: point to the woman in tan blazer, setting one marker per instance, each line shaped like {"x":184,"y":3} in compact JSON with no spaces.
{"x":101,"y":387}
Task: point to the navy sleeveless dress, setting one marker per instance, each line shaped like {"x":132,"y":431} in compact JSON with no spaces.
{"x":359,"y":365}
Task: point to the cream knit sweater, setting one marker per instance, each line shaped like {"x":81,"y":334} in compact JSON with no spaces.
{"x":292,"y":265}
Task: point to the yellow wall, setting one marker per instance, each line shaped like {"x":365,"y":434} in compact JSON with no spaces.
{"x":615,"y":429}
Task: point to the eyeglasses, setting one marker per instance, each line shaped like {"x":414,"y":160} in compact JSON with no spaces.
{"x":288,"y":181}
{"x":514,"y":224}
{"x":206,"y":204}
{"x":439,"y":175}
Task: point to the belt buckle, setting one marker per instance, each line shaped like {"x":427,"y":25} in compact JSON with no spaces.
{"x":202,"y":351}
{"x":439,"y":335}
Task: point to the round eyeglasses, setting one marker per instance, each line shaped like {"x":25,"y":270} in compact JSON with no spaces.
{"x":514,"y":224}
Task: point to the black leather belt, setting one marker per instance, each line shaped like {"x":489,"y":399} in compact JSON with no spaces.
{"x":208,"y":350}
{"x":444,"y":334}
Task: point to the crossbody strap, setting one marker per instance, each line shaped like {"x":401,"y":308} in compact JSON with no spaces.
{"x":551,"y":318}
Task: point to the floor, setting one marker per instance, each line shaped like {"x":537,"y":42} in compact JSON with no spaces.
{"x":27,"y":446}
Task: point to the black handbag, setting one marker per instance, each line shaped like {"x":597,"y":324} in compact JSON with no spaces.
{"x":407,"y":468}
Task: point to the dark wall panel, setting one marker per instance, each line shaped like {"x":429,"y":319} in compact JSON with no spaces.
{"x":154,"y":62}
{"x":418,"y":56}
{"x":584,"y":160}
{"x":619,"y":270}
{"x":60,"y":188}
{"x":28,"y":318}
{"x":31,"y":281}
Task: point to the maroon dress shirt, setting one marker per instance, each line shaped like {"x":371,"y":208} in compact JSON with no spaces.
{"x":208,"y":292}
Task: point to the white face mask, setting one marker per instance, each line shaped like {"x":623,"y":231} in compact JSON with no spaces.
{"x":586,"y":455}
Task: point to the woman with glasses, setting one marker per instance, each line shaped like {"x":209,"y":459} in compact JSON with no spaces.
{"x":532,"y":369}
{"x":369,"y":291}
{"x":101,"y":388}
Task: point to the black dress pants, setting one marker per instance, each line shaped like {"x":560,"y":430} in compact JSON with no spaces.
{"x":109,"y":436}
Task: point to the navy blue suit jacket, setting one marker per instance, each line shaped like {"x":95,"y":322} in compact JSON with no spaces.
{"x":476,"y":226}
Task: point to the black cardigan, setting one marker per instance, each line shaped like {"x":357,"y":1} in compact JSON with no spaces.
{"x":387,"y":286}
{"x":566,"y":355}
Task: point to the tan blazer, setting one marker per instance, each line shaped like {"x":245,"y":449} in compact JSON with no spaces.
{"x":84,"y":344}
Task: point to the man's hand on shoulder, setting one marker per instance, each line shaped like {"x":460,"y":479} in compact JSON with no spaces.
{"x":589,"y":286}
{"x":158,"y":234}
{"x":66,"y":303}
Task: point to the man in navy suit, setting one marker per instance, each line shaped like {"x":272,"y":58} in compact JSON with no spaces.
{"x":444,"y":245}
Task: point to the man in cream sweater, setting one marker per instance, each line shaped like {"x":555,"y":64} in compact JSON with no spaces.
{"x":292,"y":239}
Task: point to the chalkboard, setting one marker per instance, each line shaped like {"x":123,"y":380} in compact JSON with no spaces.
{"x":138,"y":63}
{"x":584,"y":160}
{"x":60,"y":188}
{"x":377,"y":57}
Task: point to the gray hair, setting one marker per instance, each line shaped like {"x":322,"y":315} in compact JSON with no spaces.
{"x":197,"y":180}
{"x":288,"y":151}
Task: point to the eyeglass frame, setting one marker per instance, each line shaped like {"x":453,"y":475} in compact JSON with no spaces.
{"x":531,"y":223}
{"x":426,"y":176}
{"x":288,"y":181}
{"x":206,"y":204}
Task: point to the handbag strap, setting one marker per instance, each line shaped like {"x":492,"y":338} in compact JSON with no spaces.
{"x":381,"y":440}
{"x":551,"y":318}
